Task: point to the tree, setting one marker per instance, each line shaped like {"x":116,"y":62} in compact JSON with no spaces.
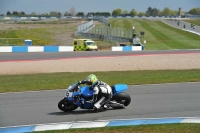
{"x":53,"y":13}
{"x":149,"y":11}
{"x":21,"y":13}
{"x":155,"y":12}
{"x":59,"y":14}
{"x":160,"y":13}
{"x":152,"y":11}
{"x":72,"y":11}
{"x":175,"y":12}
{"x":66,"y":13}
{"x":98,"y":14}
{"x":141,"y":14}
{"x":167,"y":12}
{"x":15,"y":13}
{"x":117,"y":12}
{"x":125,"y":12}
{"x":80,"y":14}
{"x":44,"y":15}
{"x":133,"y":13}
{"x":195,"y":11}
{"x":8,"y":13}
{"x":33,"y":14}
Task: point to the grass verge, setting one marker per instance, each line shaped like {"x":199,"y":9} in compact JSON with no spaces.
{"x":196,"y":22}
{"x":162,"y":128}
{"x":49,"y":81}
{"x":40,"y":36}
{"x":158,"y":35}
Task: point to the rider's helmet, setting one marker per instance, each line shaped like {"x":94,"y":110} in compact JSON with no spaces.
{"x":91,"y":79}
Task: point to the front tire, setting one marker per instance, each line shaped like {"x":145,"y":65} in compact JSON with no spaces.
{"x":66,"y":106}
{"x":122,"y":98}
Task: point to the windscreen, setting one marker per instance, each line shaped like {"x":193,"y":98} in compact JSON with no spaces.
{"x":90,"y":43}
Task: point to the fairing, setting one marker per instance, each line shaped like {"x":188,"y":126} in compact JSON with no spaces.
{"x":119,"y":88}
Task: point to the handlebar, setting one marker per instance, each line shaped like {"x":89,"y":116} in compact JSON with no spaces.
{"x":76,"y":87}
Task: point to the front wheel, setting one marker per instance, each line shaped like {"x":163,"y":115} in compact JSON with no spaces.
{"x":66,"y":106}
{"x":122,"y":98}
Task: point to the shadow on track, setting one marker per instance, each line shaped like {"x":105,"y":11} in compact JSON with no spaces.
{"x":72,"y":113}
{"x":77,"y":112}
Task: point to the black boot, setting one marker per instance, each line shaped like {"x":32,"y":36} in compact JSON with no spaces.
{"x":96,"y":110}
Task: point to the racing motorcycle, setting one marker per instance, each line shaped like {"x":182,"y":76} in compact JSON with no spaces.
{"x":77,"y":96}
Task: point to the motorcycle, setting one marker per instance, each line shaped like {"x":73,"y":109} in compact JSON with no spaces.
{"x":77,"y":96}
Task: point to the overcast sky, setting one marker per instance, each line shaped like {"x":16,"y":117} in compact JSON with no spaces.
{"x":45,"y":6}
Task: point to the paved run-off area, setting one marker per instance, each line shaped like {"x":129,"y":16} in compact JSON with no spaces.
{"x":119,"y":63}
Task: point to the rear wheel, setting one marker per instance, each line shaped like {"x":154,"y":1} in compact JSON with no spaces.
{"x":122,"y":98}
{"x":66,"y":106}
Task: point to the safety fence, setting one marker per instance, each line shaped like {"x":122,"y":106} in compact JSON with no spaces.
{"x":84,"y":27}
{"x":103,"y":20}
{"x":105,"y":37}
{"x":89,"y":30}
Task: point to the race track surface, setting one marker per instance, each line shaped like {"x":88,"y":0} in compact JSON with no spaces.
{"x":148,"y":101}
{"x":86,"y":54}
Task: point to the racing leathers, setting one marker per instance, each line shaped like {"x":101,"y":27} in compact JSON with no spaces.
{"x":102,"y":93}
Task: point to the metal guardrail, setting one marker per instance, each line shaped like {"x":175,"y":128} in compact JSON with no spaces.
{"x":105,"y":37}
{"x":89,"y":30}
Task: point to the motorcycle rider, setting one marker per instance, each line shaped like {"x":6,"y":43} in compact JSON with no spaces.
{"x":102,"y":92}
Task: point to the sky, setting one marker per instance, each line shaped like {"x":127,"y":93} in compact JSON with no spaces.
{"x":45,"y":6}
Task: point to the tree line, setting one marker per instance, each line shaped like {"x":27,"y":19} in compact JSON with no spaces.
{"x":116,"y":12}
{"x":153,"y":12}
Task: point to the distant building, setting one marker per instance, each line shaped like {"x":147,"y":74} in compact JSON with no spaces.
{"x":181,"y":13}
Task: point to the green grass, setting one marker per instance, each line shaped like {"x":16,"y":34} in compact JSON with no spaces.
{"x":39,"y":36}
{"x":196,"y":22}
{"x":162,"y":128}
{"x":45,"y":22}
{"x":158,"y":35}
{"x":18,"y":83}
{"x":5,"y":20}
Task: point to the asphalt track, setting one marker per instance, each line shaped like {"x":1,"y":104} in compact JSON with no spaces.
{"x":174,"y":22}
{"x":148,"y":101}
{"x":86,"y":54}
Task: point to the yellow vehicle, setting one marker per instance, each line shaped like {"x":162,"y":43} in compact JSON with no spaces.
{"x":84,"y":45}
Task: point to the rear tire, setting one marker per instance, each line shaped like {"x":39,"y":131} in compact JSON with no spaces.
{"x":66,"y":106}
{"x":122,"y":98}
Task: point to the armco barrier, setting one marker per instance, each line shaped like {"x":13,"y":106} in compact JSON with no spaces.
{"x":36,"y":48}
{"x":94,"y":124}
{"x":127,"y":48}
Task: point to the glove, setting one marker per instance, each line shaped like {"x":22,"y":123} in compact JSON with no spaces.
{"x":81,"y":82}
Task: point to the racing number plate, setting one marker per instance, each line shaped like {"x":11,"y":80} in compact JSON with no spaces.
{"x":69,"y":94}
